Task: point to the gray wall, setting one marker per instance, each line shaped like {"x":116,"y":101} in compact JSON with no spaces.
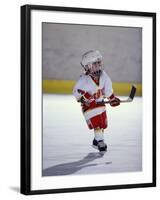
{"x":63,"y":45}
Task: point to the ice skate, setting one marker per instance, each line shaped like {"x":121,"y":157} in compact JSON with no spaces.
{"x":95,"y":144}
{"x":102,"y":147}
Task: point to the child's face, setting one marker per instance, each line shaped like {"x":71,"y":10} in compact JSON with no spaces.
{"x":95,"y":68}
{"x":97,"y":65}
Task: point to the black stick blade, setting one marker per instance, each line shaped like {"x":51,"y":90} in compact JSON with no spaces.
{"x":133,"y":92}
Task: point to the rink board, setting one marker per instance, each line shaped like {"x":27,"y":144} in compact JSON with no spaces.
{"x":66,"y":87}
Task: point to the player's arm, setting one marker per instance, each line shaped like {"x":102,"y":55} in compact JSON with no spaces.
{"x":86,"y":98}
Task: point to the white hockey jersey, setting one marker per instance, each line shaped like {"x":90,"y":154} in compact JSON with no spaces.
{"x":95,"y":115}
{"x":99,"y":91}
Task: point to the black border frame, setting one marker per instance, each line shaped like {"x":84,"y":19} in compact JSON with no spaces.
{"x":25,"y":146}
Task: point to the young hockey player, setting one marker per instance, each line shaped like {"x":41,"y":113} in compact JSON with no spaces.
{"x":91,"y":89}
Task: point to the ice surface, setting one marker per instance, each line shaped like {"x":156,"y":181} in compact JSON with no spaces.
{"x":67,"y":140}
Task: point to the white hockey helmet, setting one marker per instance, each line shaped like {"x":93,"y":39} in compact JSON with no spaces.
{"x":90,"y":57}
{"x":92,"y":63}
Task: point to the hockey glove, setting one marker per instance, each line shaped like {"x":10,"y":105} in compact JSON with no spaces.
{"x":114,"y":101}
{"x":88,"y":99}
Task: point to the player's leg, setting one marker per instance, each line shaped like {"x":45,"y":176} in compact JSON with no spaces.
{"x":98,"y":141}
{"x":98,"y":123}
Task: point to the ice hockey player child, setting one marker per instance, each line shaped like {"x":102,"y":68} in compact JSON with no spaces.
{"x":92,"y":87}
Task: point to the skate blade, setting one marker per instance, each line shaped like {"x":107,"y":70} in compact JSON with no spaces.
{"x":100,"y":152}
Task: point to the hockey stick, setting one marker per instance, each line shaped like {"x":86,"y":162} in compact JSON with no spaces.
{"x":129,"y":99}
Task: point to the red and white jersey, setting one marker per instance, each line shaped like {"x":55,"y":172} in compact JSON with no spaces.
{"x":95,"y":115}
{"x":99,"y":91}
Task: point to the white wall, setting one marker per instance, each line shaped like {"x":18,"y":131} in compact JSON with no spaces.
{"x":63,"y":46}
{"x":10,"y":100}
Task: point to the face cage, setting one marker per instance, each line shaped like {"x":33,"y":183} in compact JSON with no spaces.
{"x":94,"y":69}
